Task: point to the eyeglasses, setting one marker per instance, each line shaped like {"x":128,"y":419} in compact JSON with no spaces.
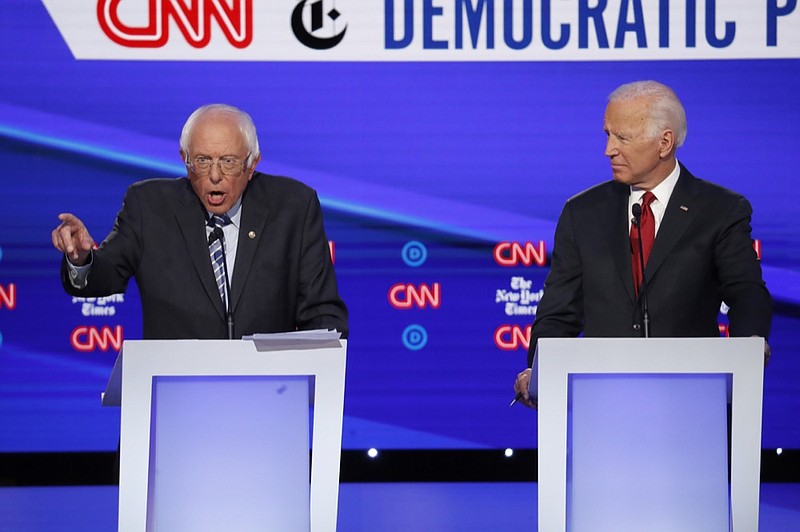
{"x":227,"y":165}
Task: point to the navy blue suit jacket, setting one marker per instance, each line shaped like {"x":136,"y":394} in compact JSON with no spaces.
{"x":703,"y":255}
{"x":283,"y":280}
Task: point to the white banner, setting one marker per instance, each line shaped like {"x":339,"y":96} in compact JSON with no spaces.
{"x":428,"y":30}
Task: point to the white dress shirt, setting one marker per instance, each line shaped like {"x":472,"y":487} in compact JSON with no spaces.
{"x":662,"y":192}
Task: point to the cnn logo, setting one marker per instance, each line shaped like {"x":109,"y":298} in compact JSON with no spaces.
{"x":8,"y":296}
{"x":513,"y":254}
{"x":86,"y":338}
{"x":512,"y":337}
{"x":406,"y":296}
{"x":235,"y":19}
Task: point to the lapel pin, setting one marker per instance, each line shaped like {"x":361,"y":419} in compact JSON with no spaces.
{"x":684,"y":208}
{"x":251,"y":234}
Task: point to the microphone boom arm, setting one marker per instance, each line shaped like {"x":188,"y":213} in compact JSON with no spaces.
{"x":215,"y":235}
{"x":637,"y":214}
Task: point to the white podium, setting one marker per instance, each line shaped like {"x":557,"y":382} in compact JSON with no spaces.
{"x":633,"y":433}
{"x":215,"y":435}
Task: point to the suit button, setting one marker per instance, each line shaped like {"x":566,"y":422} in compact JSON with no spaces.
{"x":637,"y":327}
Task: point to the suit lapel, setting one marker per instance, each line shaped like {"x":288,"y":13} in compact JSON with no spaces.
{"x":677,"y":218}
{"x":190,"y":217}
{"x":254,"y":220}
{"x":613,"y":215}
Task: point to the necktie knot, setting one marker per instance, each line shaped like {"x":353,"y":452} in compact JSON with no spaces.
{"x":219,"y":221}
{"x":647,"y":199}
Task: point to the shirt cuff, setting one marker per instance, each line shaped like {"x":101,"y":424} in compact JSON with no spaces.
{"x":79,"y":275}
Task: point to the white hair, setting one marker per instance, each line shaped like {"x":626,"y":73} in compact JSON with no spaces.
{"x":666,"y":110}
{"x":245,"y":122}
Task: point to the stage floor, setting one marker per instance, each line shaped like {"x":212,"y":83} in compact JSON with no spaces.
{"x":373,"y":507}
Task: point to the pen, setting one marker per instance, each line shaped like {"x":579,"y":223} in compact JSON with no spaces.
{"x":515,"y":399}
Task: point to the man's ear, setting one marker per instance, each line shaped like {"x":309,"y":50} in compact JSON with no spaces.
{"x":666,"y":143}
{"x":253,"y":165}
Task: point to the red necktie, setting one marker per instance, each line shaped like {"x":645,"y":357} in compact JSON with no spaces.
{"x":648,"y":223}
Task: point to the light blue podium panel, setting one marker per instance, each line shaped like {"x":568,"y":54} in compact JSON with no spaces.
{"x":633,"y":433}
{"x":647,"y":452}
{"x":215,"y":435}
{"x":229,"y":453}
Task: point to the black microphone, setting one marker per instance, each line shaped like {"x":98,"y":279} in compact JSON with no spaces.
{"x":637,"y":213}
{"x":217,"y":234}
{"x":636,"y":221}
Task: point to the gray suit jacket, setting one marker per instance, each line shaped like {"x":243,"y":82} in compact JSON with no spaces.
{"x":703,"y":255}
{"x":284,"y":279}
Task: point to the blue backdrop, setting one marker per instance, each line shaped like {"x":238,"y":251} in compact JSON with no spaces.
{"x":456,"y":157}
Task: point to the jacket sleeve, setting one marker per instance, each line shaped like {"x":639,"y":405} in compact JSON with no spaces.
{"x":116,"y":259}
{"x":318,"y":303}
{"x":560,"y":312}
{"x":741,"y":284}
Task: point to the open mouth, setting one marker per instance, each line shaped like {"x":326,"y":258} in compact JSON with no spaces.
{"x":215,"y":197}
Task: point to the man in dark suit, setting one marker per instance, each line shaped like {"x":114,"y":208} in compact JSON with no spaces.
{"x":701,"y":255}
{"x":277,"y":255}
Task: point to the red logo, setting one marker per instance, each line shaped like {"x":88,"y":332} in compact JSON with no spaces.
{"x":405,"y":296}
{"x":513,"y":253}
{"x":724,"y":330}
{"x":512,"y":337}
{"x":8,"y":296}
{"x":85,"y":338}
{"x":194,"y":21}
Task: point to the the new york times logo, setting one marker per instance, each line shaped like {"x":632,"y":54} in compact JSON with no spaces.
{"x":307,"y":29}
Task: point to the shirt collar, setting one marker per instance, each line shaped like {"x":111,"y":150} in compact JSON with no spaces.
{"x":662,"y":191}
{"x":234,"y":213}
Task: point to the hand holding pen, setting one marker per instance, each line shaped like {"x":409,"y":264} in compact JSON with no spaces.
{"x":521,"y":385}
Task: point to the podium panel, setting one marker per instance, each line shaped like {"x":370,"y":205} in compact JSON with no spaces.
{"x":229,"y":453}
{"x":647,"y":452}
{"x":633,"y":433}
{"x":215,"y":435}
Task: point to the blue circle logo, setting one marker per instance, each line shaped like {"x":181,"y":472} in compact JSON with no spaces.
{"x":415,"y":337}
{"x":414,"y":253}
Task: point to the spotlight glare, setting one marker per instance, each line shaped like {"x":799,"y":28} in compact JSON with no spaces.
{"x":779,"y":450}
{"x":509,"y":452}
{"x":372,"y":453}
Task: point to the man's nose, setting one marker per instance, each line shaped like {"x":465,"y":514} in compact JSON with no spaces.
{"x":214,"y":173}
{"x":611,"y":147}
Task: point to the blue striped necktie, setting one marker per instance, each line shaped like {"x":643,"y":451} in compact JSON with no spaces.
{"x":215,"y":250}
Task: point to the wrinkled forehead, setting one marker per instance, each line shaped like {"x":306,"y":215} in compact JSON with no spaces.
{"x":626,"y":115}
{"x":217,"y":133}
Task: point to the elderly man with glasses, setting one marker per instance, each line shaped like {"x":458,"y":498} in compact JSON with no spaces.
{"x":223,"y":252}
